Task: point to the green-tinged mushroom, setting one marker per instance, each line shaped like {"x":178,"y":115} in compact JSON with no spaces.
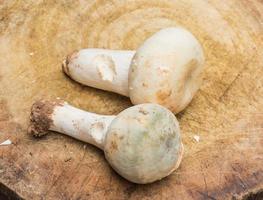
{"x":142,"y":143}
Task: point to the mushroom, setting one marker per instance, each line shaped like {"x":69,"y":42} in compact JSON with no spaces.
{"x":166,"y":69}
{"x":142,"y":143}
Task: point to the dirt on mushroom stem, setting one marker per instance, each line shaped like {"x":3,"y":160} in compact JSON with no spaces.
{"x":41,"y":116}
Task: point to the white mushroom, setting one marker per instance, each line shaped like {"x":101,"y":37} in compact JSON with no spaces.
{"x":142,"y":143}
{"x":165,"y":69}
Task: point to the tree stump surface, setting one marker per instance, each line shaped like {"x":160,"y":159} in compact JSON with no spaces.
{"x":226,"y":113}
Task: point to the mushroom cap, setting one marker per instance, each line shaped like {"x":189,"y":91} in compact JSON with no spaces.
{"x":166,"y":69}
{"x":143,"y":143}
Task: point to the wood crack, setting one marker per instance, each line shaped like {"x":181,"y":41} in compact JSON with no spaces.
{"x":234,"y":80}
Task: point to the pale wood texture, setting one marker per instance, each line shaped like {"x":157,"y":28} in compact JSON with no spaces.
{"x":227,"y":113}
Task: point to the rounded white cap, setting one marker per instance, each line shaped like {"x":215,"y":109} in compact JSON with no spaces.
{"x":143,"y":143}
{"x":166,"y":69}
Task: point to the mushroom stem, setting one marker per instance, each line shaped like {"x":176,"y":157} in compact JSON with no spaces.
{"x":100,"y":68}
{"x":64,"y":118}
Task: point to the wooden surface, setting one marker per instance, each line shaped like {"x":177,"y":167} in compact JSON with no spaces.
{"x":227,"y":113}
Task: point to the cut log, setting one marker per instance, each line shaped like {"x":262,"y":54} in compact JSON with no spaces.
{"x":226,"y":115}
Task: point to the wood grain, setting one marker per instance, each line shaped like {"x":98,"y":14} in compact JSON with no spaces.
{"x":227,"y":113}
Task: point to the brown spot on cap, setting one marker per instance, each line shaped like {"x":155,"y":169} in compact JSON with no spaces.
{"x":163,"y":94}
{"x":190,"y":68}
{"x":40,"y":117}
{"x":141,"y":110}
{"x":121,"y":137}
{"x":114,"y":146}
{"x":144,"y":84}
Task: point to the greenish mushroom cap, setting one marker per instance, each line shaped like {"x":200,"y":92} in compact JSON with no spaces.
{"x":143,"y":143}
